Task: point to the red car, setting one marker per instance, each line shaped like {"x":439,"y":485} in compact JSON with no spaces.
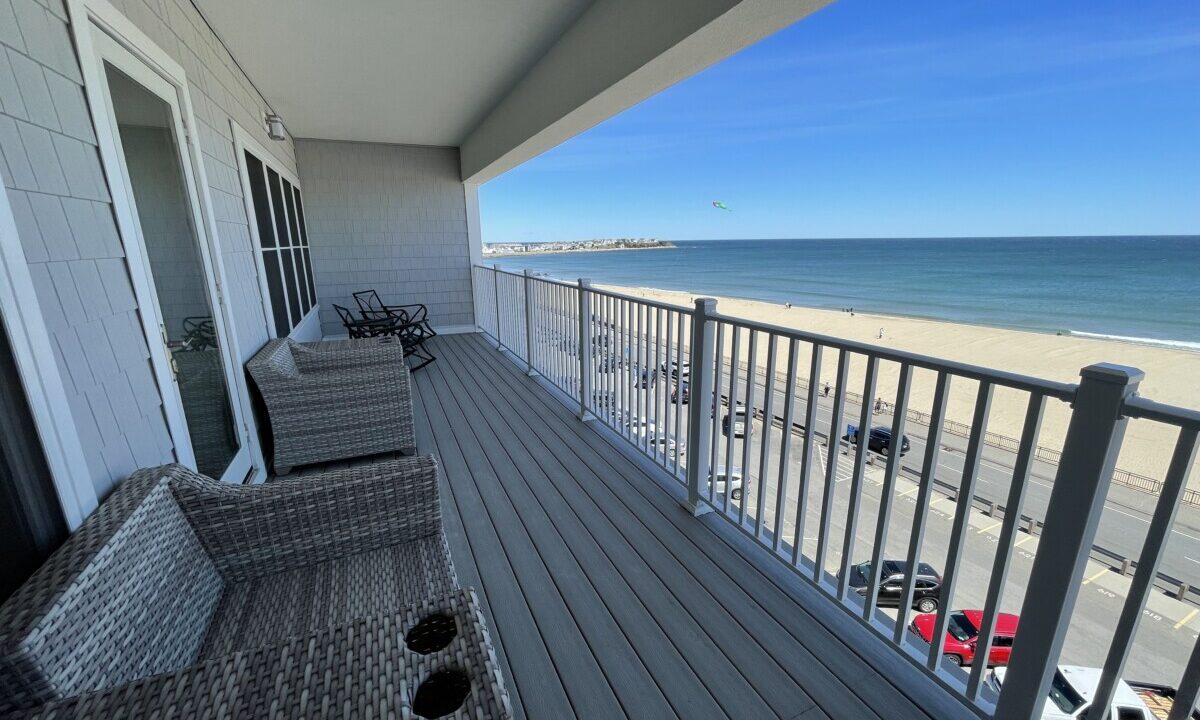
{"x":963,"y":630}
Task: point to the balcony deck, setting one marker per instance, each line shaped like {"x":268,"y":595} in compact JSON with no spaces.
{"x":606,"y":599}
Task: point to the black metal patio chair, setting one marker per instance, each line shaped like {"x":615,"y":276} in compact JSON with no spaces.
{"x":415,"y":315}
{"x":410,"y":339}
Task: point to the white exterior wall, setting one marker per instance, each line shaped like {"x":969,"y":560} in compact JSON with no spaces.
{"x":60,"y":201}
{"x":388,"y":217}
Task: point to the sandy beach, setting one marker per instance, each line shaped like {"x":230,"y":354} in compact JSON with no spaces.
{"x":1171,"y":375}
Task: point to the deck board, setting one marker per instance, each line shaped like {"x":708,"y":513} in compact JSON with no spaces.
{"x":607,"y":599}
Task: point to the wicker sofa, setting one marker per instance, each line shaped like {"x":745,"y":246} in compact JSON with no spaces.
{"x":334,"y":400}
{"x":280,"y":600}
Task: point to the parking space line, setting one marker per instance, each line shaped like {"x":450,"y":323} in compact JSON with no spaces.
{"x":993,"y":526}
{"x":1022,"y":541}
{"x":908,"y":492}
{"x":943,"y":498}
{"x":1187,"y":618}
{"x":1095,"y":577}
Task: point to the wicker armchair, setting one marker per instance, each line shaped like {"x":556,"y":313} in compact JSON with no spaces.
{"x":181,"y":596}
{"x":334,"y":400}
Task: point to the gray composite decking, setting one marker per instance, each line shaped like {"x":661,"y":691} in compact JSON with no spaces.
{"x":605,"y":598}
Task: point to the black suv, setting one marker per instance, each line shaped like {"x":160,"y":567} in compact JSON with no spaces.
{"x":880,"y":440}
{"x":925,"y":593}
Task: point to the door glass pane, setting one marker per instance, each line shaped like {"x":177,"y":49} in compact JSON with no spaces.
{"x":152,"y":157}
{"x":283,"y":324}
{"x":281,"y":229}
{"x":289,"y":281}
{"x":262,"y":208}
{"x":308,"y":276}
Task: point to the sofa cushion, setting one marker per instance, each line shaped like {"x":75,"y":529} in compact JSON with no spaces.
{"x":270,"y":609}
{"x":130,"y":594}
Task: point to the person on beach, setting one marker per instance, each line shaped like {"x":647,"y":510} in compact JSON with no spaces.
{"x":826,"y":389}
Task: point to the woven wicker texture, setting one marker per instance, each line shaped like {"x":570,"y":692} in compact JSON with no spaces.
{"x":106,"y":608}
{"x":334,"y":400}
{"x":256,"y":530}
{"x":360,"y":669}
{"x":175,"y":568}
{"x":270,"y":609}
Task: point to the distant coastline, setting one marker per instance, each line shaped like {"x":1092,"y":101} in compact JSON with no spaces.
{"x":1055,"y":285}
{"x":600,"y":245}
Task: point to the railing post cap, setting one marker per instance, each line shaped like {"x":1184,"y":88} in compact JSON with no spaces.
{"x":585,"y":282}
{"x":706,"y":304}
{"x":1113,"y":373}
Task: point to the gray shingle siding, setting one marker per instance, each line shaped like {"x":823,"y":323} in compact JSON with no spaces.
{"x":56,"y":186}
{"x":388,"y":217}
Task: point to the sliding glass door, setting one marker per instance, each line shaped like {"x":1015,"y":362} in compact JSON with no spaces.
{"x":170,"y":264}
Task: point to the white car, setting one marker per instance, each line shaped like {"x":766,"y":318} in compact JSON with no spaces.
{"x":1071,"y":695}
{"x":735,"y":484}
{"x":677,"y":371}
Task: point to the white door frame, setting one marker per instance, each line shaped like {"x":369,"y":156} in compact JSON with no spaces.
{"x":34,"y":355}
{"x":103,"y":33}
{"x":243,"y":141}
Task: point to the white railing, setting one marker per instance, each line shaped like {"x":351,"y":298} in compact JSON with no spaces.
{"x":674,"y":381}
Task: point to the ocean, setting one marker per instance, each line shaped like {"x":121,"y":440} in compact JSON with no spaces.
{"x":1140,"y":289}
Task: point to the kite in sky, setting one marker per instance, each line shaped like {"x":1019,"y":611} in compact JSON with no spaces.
{"x":721,"y":206}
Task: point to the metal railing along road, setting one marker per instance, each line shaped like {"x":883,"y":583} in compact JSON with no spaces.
{"x":685,"y":386}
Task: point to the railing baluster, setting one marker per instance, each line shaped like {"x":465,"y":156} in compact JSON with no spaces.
{"x":496,"y":300}
{"x":861,"y":451}
{"x":600,"y":355}
{"x":1147,"y":568}
{"x":734,"y":367}
{"x":807,"y":460}
{"x":683,"y":430}
{"x":669,"y":431}
{"x":659,"y":429}
{"x":641,"y":378}
{"x":1008,"y":531}
{"x":764,"y":444}
{"x":556,"y":338}
{"x":748,"y":425}
{"x":832,"y":451}
{"x":528,"y":323}
{"x":1081,"y":484}
{"x":610,"y":368}
{"x":714,"y":461}
{"x":630,"y":370}
{"x":785,"y":445}
{"x":886,"y":492}
{"x":562,"y":341}
{"x":962,"y":516}
{"x":933,"y":448}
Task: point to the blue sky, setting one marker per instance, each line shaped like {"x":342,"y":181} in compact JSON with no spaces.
{"x":878,"y":118}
